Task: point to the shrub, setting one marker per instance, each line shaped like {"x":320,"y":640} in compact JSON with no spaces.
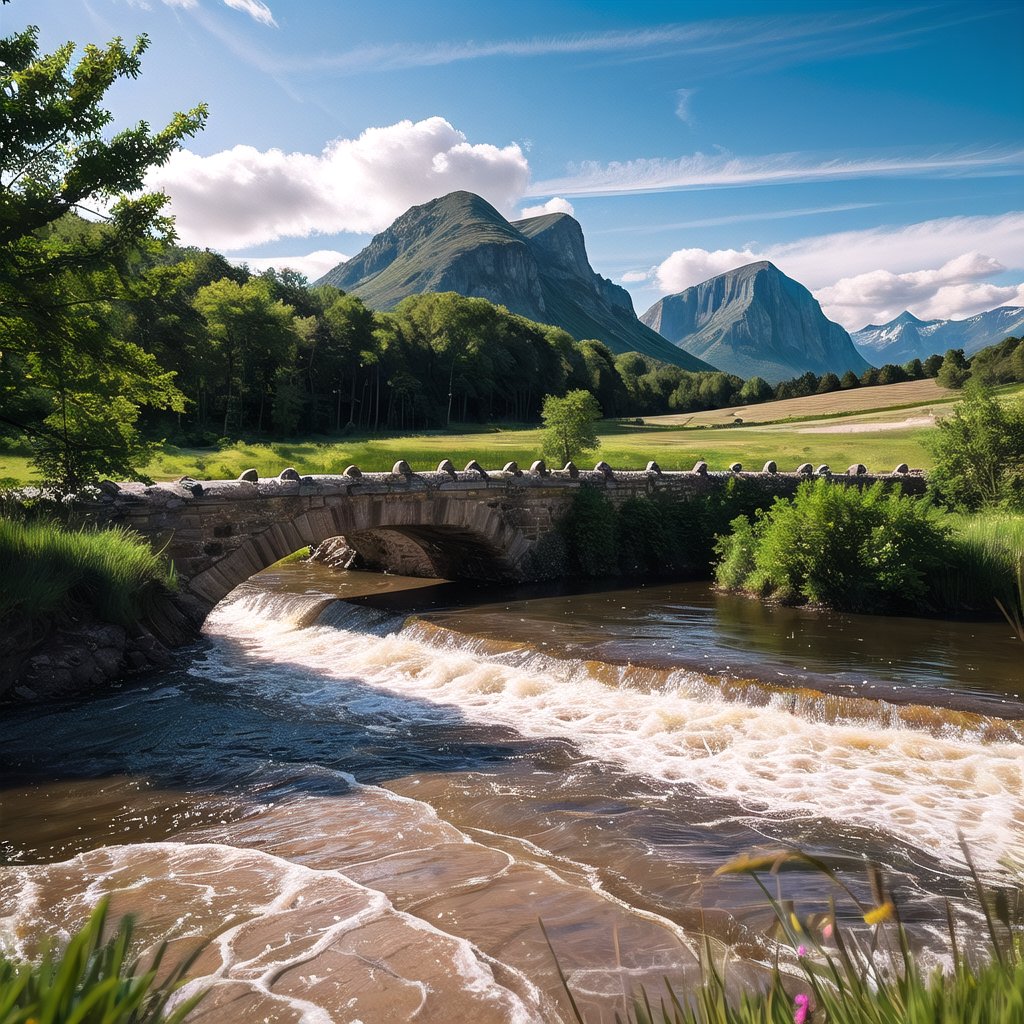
{"x":643,"y":537}
{"x":845,"y":547}
{"x":589,"y":530}
{"x":979,"y":452}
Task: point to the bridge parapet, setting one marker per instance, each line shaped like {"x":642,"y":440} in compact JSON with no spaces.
{"x":472,"y":523}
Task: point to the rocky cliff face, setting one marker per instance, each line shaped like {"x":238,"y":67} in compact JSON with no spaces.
{"x":755,"y":321}
{"x":536,"y":267}
{"x":907,"y":337}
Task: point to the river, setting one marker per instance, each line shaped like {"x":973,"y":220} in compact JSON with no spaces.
{"x":362,"y":792}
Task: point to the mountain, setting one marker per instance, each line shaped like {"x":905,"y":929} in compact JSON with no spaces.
{"x":755,"y":321}
{"x":907,"y":338}
{"x":536,"y":267}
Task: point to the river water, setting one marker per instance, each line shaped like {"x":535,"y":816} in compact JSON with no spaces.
{"x":361,"y":808}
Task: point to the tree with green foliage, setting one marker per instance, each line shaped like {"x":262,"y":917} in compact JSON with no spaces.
{"x":67,"y":378}
{"x":979,"y":451}
{"x":253,"y":334}
{"x":849,"y":380}
{"x":932,"y":365}
{"x":914,"y":369}
{"x":955,"y":369}
{"x":570,"y":425}
{"x":755,"y":390}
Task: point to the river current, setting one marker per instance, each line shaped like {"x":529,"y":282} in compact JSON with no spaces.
{"x":360,"y":794}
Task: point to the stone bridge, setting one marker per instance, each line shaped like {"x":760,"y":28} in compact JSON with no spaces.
{"x":469,"y":524}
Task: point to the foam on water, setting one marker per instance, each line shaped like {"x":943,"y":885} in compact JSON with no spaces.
{"x":776,"y":756}
{"x":284,"y":934}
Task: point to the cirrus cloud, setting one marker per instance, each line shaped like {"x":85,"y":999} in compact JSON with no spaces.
{"x":245,"y":196}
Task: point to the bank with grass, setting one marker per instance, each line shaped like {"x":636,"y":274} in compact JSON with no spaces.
{"x":81,"y":607}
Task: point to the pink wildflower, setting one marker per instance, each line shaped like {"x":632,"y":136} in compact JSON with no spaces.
{"x":801,"y":1003}
{"x":827,"y":931}
{"x":801,"y":951}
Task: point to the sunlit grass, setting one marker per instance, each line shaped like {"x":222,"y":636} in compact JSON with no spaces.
{"x":49,"y":569}
{"x":92,"y":981}
{"x":825,"y":971}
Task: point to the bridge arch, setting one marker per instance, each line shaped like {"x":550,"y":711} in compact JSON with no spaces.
{"x":473,"y":524}
{"x":434,"y":535}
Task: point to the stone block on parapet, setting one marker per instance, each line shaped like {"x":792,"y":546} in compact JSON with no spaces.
{"x":538,"y":468}
{"x":771,"y":466}
{"x":474,"y":467}
{"x":604,"y":469}
{"x":805,"y":469}
{"x":823,"y":470}
{"x":446,"y":466}
{"x":571,"y":469}
{"x":288,"y":474}
{"x":857,"y":469}
{"x":353,"y":472}
{"x":249,"y":475}
{"x":700,"y":468}
{"x":653,"y":467}
{"x":901,"y":470}
{"x":512,"y":468}
{"x":735,"y":467}
{"x":401,"y":468}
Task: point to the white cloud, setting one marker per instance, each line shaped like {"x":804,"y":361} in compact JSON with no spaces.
{"x":244,"y":196}
{"x":256,"y":10}
{"x":725,"y":170}
{"x":683,"y":111}
{"x":556,"y":205}
{"x":927,"y":293}
{"x":313,"y":265}
{"x":687,"y":267}
{"x":636,"y":276}
{"x":935,"y":268}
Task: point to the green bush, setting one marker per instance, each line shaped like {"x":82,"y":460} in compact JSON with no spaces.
{"x":48,"y":569}
{"x":979,"y":452}
{"x":589,"y":529}
{"x":92,"y":982}
{"x":844,"y":547}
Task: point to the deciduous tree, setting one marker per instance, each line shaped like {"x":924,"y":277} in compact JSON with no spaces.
{"x":570,"y":425}
{"x":62,"y":279}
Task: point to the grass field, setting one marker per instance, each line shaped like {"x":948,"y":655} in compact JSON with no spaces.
{"x":814,"y":429}
{"x":886,"y":398}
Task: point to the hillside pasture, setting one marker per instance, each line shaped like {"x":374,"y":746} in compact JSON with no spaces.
{"x":882,"y":398}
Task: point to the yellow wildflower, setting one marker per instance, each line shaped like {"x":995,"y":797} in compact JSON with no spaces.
{"x":883,"y":912}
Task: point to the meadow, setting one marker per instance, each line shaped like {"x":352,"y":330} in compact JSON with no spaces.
{"x":880,"y":427}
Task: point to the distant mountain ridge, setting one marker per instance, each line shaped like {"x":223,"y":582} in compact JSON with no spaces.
{"x":536,"y":267}
{"x":906,"y":337}
{"x":755,"y":321}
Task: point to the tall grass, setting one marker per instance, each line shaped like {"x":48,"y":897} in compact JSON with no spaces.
{"x":47,"y":569}
{"x":835,"y":975}
{"x":92,"y":981}
{"x":984,"y":569}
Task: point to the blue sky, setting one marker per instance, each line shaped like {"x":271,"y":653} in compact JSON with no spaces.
{"x":875,"y":153}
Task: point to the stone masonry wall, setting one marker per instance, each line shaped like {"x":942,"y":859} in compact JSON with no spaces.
{"x":473,"y":523}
